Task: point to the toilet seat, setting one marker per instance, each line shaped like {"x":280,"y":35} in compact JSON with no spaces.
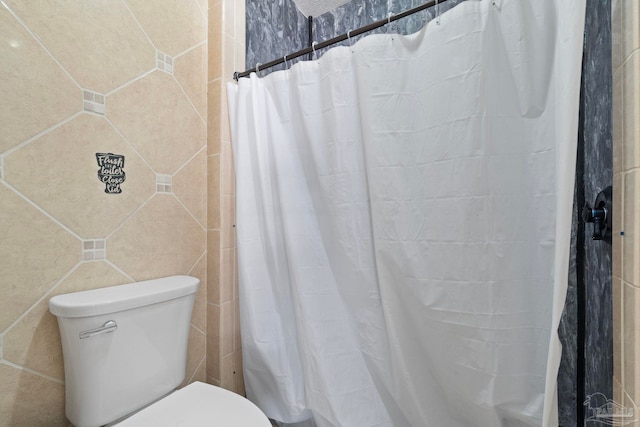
{"x":199,"y":405}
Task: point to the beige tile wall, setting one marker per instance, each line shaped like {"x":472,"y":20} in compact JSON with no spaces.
{"x":226,"y":55}
{"x":626,"y":187}
{"x":77,"y":78}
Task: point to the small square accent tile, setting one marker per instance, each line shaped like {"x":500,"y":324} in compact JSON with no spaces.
{"x":163,"y":183}
{"x":164,"y":62}
{"x":93,"y":102}
{"x":94,"y":249}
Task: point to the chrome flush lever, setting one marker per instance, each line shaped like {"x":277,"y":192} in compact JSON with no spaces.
{"x":109,"y":326}
{"x":600,"y":215}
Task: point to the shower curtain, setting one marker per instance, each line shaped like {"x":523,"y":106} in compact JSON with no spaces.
{"x":403,"y":222}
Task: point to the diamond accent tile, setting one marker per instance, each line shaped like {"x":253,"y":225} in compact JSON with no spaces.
{"x":164,"y":62}
{"x":163,"y":183}
{"x":94,"y":250}
{"x":160,"y":239}
{"x":72,"y":192}
{"x":47,"y":252}
{"x":104,"y":34}
{"x":93,"y":102}
{"x":173,"y":26}
{"x":158,"y":120}
{"x":41,"y":93}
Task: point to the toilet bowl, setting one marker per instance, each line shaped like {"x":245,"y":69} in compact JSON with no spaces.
{"x":125,"y":347}
{"x":199,"y":404}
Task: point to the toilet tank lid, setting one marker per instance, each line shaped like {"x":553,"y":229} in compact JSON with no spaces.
{"x":112,"y":299}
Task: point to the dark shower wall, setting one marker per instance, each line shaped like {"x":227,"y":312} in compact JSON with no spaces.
{"x":275,"y":29}
{"x":590,"y":263}
{"x":597,"y":146}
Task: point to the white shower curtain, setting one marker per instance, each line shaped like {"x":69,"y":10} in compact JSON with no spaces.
{"x":403,"y":222}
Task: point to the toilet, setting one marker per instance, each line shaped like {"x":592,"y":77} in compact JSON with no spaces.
{"x":125,"y":352}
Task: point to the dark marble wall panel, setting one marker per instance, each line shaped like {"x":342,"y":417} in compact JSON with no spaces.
{"x":273,"y":29}
{"x":598,"y":173}
{"x":592,"y":265}
{"x":357,"y":14}
{"x":567,"y":331}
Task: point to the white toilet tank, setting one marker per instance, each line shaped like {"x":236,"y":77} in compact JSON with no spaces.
{"x":123,"y":346}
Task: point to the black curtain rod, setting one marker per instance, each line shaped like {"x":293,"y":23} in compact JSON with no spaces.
{"x":338,"y":39}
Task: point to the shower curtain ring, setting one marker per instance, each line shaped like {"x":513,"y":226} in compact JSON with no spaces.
{"x":258,"y":69}
{"x":349,"y":37}
{"x":285,"y":62}
{"x":437,"y":13}
{"x":313,"y":48}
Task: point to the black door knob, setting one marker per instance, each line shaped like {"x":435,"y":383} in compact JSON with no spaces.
{"x":600,"y":215}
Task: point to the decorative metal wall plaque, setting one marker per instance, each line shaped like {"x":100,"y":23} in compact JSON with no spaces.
{"x":111,"y":172}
